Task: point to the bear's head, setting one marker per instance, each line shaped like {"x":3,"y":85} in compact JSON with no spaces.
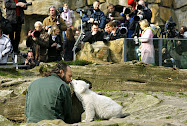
{"x":79,"y":86}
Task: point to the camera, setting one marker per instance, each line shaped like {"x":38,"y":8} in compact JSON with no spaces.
{"x":29,"y":4}
{"x":127,"y":11}
{"x":35,"y":34}
{"x":30,"y":60}
{"x":123,"y":30}
{"x":140,"y":7}
{"x":138,"y":17}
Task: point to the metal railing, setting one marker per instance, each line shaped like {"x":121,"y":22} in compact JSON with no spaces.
{"x":170,"y":44}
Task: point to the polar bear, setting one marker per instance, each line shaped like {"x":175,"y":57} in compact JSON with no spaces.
{"x":95,"y":106}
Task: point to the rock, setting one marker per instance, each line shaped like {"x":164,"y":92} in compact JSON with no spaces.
{"x":96,"y":52}
{"x":168,"y":3}
{"x":100,"y":52}
{"x":5,"y":122}
{"x":139,"y":102}
{"x":180,"y":3}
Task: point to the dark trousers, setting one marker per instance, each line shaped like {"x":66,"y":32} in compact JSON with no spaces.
{"x":15,"y":34}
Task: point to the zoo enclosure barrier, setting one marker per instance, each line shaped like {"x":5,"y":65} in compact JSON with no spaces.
{"x":171,"y":52}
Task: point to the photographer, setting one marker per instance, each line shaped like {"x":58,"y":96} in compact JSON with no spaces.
{"x":54,"y":20}
{"x":114,"y":32}
{"x":38,"y":41}
{"x":29,"y":60}
{"x":94,"y":35}
{"x":96,"y":15}
{"x":112,"y":15}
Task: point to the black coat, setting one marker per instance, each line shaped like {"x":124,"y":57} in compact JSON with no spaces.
{"x":11,"y":11}
{"x":68,"y":46}
{"x":93,"y":38}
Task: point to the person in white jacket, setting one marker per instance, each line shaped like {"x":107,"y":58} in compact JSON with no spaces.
{"x":5,"y":47}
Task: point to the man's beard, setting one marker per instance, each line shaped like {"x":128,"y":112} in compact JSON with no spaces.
{"x":64,"y":79}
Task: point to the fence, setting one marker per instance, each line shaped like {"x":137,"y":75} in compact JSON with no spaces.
{"x":168,"y":51}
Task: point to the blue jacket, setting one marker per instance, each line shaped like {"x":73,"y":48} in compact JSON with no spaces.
{"x":97,"y":15}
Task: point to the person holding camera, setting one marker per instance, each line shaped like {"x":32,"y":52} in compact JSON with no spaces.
{"x":54,"y":20}
{"x":15,"y":14}
{"x":114,"y":32}
{"x":38,"y":41}
{"x":97,"y":16}
{"x":113,"y":15}
{"x":30,"y":61}
{"x":94,"y":35}
{"x":55,"y":45}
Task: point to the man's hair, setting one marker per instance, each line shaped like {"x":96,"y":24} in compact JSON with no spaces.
{"x":94,"y":24}
{"x":110,"y":5}
{"x":56,"y":69}
{"x":38,"y":22}
{"x":52,"y":7}
{"x":184,"y":28}
{"x":111,"y":24}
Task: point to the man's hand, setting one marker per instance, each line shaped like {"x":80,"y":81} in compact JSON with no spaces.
{"x":113,"y":32}
{"x":94,"y":32}
{"x":34,"y":38}
{"x":29,"y":33}
{"x":111,"y":18}
{"x":54,"y":44}
{"x":46,"y":28}
{"x":91,"y":20}
{"x":21,"y":4}
{"x":26,"y":61}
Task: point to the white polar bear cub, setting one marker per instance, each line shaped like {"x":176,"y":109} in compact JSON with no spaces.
{"x":95,"y":106}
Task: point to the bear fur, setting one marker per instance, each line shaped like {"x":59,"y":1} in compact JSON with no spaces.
{"x":95,"y":106}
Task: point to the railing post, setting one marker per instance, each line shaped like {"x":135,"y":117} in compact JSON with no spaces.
{"x":160,"y":51}
{"x":125,"y":50}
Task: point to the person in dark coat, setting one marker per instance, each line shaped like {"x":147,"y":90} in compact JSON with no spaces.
{"x":5,"y":24}
{"x":55,"y":45}
{"x":15,"y":14}
{"x":49,"y":97}
{"x":94,"y":35}
{"x":68,"y":45}
{"x":38,"y":41}
{"x":96,"y":16}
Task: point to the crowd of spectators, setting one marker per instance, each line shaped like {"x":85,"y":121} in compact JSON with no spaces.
{"x":54,"y":39}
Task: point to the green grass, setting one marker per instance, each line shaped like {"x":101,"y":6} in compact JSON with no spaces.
{"x":182,"y":94}
{"x":77,"y":62}
{"x":11,"y":73}
{"x":169,"y":93}
{"x":185,"y":121}
{"x":168,"y":117}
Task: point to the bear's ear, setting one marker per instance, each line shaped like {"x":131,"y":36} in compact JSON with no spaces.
{"x":83,"y":89}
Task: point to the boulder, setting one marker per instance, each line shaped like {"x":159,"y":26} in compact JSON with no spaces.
{"x":167,"y":3}
{"x":179,"y":3}
{"x":100,"y":52}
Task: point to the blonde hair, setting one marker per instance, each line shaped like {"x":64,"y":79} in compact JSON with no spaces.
{"x":53,"y":29}
{"x":65,"y":5}
{"x":144,"y":23}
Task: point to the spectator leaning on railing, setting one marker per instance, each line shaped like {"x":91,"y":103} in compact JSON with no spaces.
{"x":146,"y":47}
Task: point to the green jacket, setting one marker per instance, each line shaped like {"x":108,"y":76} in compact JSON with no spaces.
{"x":48,"y":98}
